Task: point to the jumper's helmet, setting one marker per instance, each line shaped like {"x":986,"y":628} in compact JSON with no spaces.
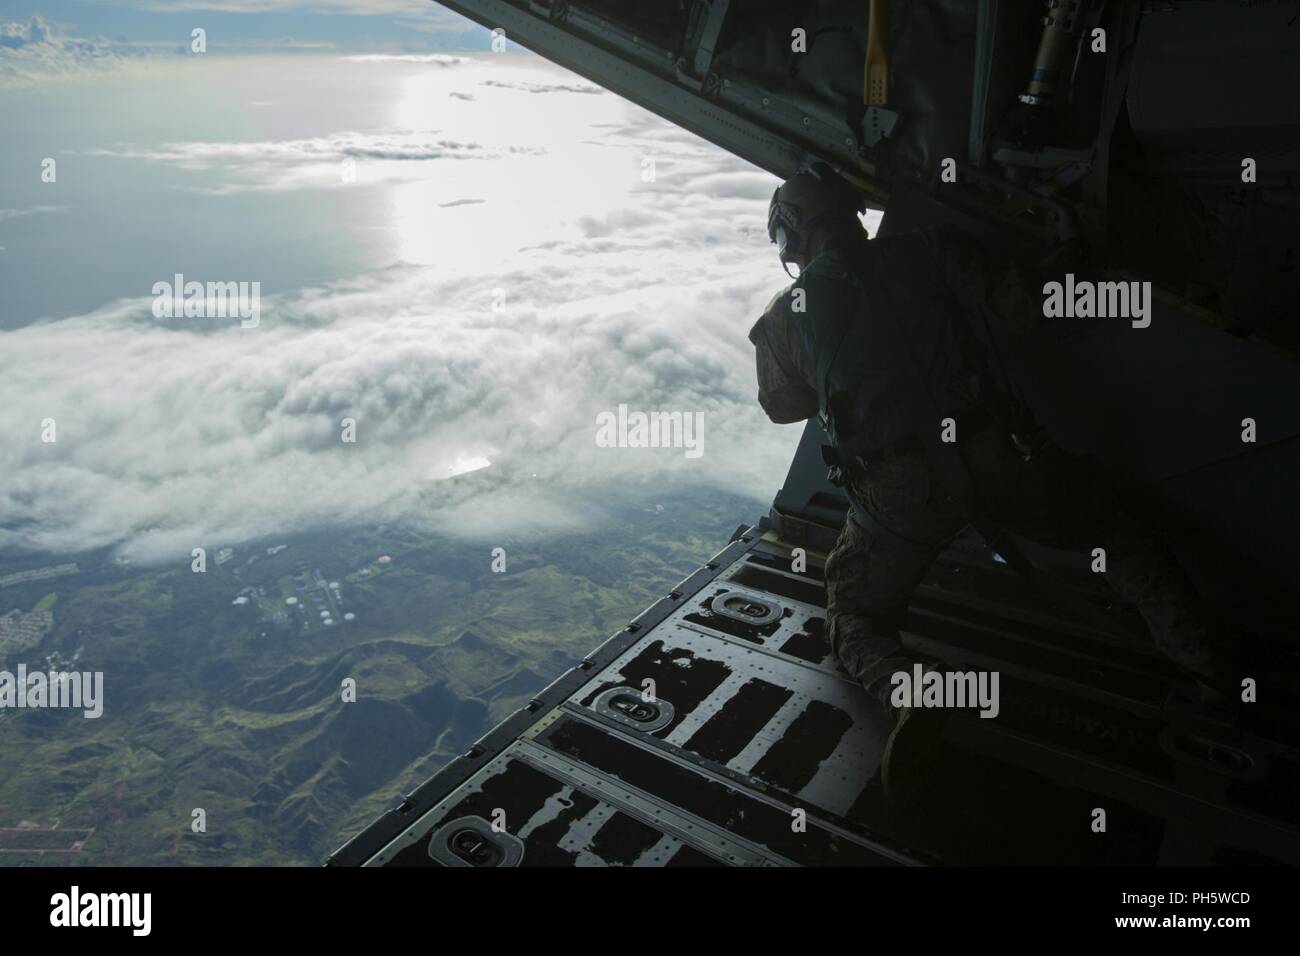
{"x":810,"y":197}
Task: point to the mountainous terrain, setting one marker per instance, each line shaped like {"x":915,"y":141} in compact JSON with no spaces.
{"x":223,"y":690}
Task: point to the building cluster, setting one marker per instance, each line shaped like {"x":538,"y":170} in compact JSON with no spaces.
{"x":19,"y":631}
{"x":309,"y":600}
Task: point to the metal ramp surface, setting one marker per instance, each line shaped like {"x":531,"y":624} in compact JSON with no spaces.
{"x":716,"y":729}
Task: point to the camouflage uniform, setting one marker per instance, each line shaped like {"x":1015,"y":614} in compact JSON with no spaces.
{"x":1055,"y":498}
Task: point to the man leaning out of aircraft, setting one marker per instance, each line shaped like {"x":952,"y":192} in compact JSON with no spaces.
{"x":880,"y":339}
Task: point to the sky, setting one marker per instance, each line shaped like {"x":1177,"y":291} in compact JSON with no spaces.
{"x":69,"y":35}
{"x":471,"y":256}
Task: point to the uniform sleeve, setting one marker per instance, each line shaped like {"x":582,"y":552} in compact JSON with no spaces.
{"x":783,"y":389}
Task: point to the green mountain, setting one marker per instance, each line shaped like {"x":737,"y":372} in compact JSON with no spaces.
{"x":237,"y":709}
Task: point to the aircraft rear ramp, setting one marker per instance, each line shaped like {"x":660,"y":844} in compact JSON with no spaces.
{"x":716,"y":729}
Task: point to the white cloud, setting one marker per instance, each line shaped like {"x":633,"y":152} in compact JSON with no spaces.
{"x":30,"y":211}
{"x":35,"y":49}
{"x":312,"y":163}
{"x":589,"y":88}
{"x":38,"y":50}
{"x":206,"y":431}
{"x":175,"y":433}
{"x":436,"y":59}
{"x":438,"y":16}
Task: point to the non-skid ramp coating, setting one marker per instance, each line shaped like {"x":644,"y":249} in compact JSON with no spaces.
{"x":809,"y":736}
{"x":1104,"y":714}
{"x":717,"y":729}
{"x":526,"y":808}
{"x":509,"y":801}
{"x":689,"y":745}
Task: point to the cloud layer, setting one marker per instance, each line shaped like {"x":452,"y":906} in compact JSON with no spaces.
{"x":176,"y":433}
{"x":35,"y":49}
{"x":314,"y":163}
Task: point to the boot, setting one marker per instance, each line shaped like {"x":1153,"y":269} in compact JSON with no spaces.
{"x":912,"y":752}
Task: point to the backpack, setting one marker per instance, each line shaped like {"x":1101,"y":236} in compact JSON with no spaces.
{"x":892,"y":350}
